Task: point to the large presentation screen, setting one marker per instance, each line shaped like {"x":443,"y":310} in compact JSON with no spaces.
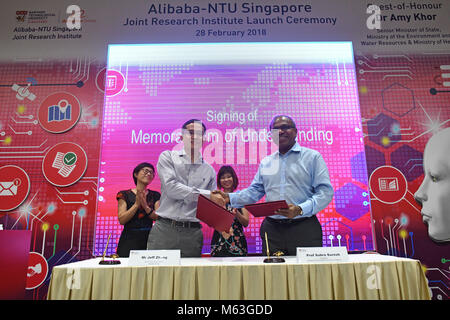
{"x":235,"y":89}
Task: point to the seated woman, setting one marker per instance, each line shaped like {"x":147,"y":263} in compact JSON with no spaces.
{"x":136,"y":210}
{"x":233,"y":243}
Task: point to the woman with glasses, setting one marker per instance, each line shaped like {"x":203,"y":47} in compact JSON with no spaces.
{"x":136,"y":210}
{"x":233,"y":243}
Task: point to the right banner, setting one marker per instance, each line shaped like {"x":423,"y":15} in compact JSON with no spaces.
{"x":403,"y":72}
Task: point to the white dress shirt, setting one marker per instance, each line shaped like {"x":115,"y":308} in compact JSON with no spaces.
{"x":181,"y":184}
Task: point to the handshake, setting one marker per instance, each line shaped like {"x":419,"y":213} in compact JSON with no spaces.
{"x":220,"y":197}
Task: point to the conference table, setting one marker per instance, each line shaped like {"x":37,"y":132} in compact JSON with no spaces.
{"x":361,"y":277}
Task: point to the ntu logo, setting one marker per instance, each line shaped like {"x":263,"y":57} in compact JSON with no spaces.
{"x":20,"y":16}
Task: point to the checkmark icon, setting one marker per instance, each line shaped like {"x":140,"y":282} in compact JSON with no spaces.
{"x":70,"y":158}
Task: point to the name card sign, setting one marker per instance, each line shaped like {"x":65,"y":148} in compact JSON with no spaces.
{"x":322,"y":254}
{"x":143,"y":258}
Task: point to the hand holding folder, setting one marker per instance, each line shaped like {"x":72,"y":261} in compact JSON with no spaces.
{"x":214,"y":215}
{"x":266,"y":208}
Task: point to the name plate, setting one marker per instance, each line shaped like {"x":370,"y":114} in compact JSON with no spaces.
{"x":322,"y":254}
{"x":142,"y":258}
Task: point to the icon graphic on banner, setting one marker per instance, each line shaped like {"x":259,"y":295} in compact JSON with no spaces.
{"x":32,"y":81}
{"x":61,"y":111}
{"x":111,"y":82}
{"x":37,"y":270}
{"x":34,"y":270}
{"x":64,"y":164}
{"x":114,"y":82}
{"x":14,"y":187}
{"x":23,"y":92}
{"x":388,"y":184}
{"x":9,"y":188}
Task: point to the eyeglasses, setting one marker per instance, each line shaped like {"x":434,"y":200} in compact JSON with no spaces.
{"x":283,"y":127}
{"x":148,"y":172}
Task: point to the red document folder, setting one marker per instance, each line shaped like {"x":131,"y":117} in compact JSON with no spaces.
{"x":266,"y":208}
{"x":214,"y":215}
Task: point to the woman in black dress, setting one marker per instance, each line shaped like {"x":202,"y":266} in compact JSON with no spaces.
{"x":136,"y":210}
{"x":234,"y":243}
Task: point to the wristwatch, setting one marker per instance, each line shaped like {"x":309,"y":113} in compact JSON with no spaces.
{"x":301,"y":211}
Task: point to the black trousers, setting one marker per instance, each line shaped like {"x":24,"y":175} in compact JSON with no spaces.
{"x":132,"y":239}
{"x":287,"y":235}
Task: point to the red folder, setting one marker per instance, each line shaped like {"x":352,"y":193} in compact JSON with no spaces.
{"x":265,"y":209}
{"x":214,"y":215}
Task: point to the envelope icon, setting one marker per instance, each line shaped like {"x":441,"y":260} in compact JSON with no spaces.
{"x":8,"y":188}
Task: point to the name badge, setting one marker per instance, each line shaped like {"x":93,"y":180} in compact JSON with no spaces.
{"x":322,"y":254}
{"x":142,"y":258}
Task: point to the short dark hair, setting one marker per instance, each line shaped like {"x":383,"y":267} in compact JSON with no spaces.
{"x":139,"y":167}
{"x":193,"y":121}
{"x":230,"y":170}
{"x":279,"y":116}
